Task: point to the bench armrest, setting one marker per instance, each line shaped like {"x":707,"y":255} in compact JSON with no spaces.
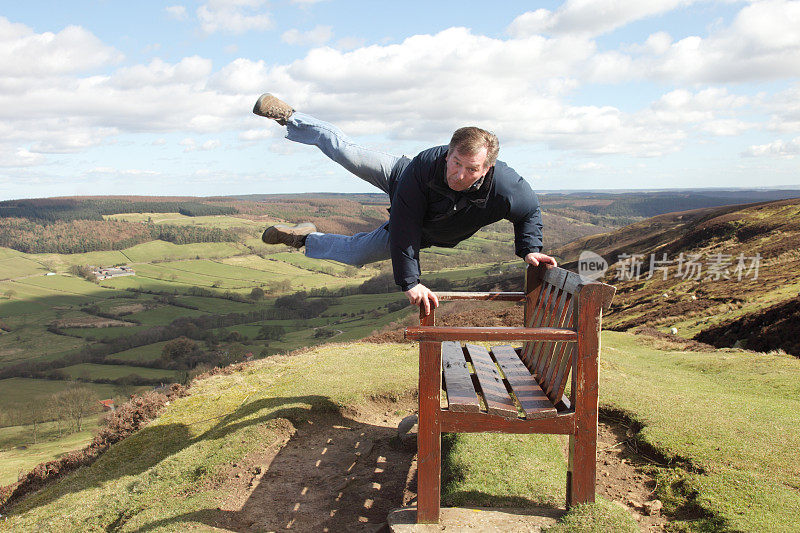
{"x":497,"y":296}
{"x":438,"y":334}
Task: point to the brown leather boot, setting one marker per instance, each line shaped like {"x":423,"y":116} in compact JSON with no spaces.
{"x":294,"y":236}
{"x":271,"y":107}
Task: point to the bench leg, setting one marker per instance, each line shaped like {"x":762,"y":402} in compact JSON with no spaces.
{"x":582,"y":469}
{"x":429,"y":444}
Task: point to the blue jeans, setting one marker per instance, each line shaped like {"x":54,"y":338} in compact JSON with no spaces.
{"x":372,"y":166}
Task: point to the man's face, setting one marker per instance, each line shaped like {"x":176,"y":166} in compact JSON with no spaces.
{"x":463,"y":170}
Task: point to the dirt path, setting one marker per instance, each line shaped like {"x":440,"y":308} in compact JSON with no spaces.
{"x":345,"y":473}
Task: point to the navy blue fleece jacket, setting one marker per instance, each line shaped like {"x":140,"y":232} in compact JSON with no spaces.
{"x":426,"y":212}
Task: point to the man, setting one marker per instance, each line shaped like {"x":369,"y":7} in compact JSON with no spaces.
{"x":441,"y":197}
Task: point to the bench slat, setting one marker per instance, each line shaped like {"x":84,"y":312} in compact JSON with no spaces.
{"x":559,"y":381}
{"x":546,"y":361}
{"x":461,"y":394}
{"x":539,"y":312}
{"x":543,"y":351}
{"x":498,"y":402}
{"x":531,"y":397}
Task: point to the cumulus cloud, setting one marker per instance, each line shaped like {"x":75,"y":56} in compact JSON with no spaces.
{"x":590,"y":18}
{"x":314,"y":37}
{"x":19,"y":158}
{"x":779,"y":148}
{"x":24,"y":53}
{"x":419,"y":89}
{"x":762,"y":43}
{"x":233,"y":16}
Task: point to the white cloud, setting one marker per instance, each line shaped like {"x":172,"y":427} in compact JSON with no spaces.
{"x":24,"y":53}
{"x":762,"y":43}
{"x":177,"y":12}
{"x":778,"y":148}
{"x":784,"y":109}
{"x":256,"y":134}
{"x":349,"y":43}
{"x":233,"y":16}
{"x":190,"y":145}
{"x":122,"y":172}
{"x":20,"y":158}
{"x":591,"y":166}
{"x":589,"y":17}
{"x":314,"y":37}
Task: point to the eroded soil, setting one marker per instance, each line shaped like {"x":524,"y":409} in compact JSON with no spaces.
{"x":346,"y":473}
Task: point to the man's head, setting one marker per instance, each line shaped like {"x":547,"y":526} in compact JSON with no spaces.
{"x":471,"y":154}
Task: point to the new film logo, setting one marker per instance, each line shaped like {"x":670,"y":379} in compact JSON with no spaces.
{"x":591,"y":266}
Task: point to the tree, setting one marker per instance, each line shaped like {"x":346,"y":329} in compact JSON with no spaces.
{"x":271,"y":332}
{"x":76,"y":403}
{"x":257,"y":294}
{"x":38,"y":414}
{"x":180,"y":353}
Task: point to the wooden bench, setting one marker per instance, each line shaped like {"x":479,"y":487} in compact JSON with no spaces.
{"x":514,"y":390}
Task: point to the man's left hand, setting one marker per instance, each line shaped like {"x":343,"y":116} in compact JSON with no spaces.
{"x":536,"y":258}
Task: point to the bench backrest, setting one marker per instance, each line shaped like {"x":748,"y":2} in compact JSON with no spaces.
{"x":552,"y":300}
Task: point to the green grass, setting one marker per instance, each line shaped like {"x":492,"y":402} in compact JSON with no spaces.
{"x":141,"y":354}
{"x":91,"y":370}
{"x":34,"y":344}
{"x":62,"y":262}
{"x":732,"y":414}
{"x":17,"y":392}
{"x":165,"y":251}
{"x":177,"y":219}
{"x":104,"y":333}
{"x":16,"y":459}
{"x":17,"y":266}
{"x":228,"y":417}
{"x":163,"y":315}
{"x":299,"y":260}
{"x":225,"y":418}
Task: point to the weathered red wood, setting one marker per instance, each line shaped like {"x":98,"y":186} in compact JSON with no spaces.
{"x":427,"y":320}
{"x":583,"y":447}
{"x":489,"y":334}
{"x":429,"y":452}
{"x":557,"y":371}
{"x":539,"y":312}
{"x":532,"y":399}
{"x":562,"y":424}
{"x":577,"y":329}
{"x":545,"y":358}
{"x":533,"y":288}
{"x":461,"y":394}
{"x":499,"y":296}
{"x":498,"y":402}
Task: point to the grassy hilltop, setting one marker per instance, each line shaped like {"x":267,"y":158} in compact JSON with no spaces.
{"x":213,"y":294}
{"x":213,"y":459}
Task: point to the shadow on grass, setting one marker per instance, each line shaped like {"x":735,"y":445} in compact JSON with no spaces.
{"x":333,"y":473}
{"x":325,"y":470}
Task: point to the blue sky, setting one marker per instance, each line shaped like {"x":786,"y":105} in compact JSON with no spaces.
{"x":102,"y":97}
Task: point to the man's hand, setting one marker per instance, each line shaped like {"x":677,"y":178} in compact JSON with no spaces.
{"x":536,"y":258}
{"x":422,"y":296}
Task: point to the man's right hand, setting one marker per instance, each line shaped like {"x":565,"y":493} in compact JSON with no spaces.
{"x":422,"y":296}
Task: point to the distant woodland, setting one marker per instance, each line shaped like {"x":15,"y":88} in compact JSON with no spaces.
{"x":79,"y":236}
